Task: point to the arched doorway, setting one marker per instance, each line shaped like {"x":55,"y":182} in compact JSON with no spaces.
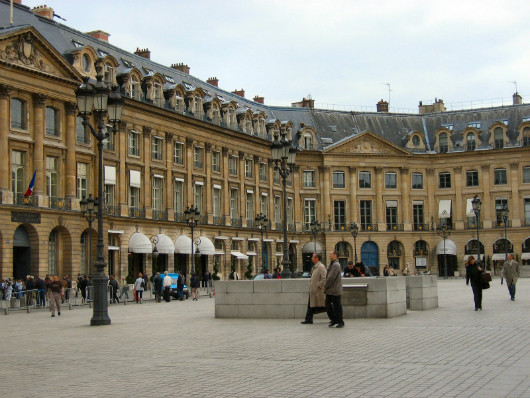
{"x":446,"y":252}
{"x":501,"y":247}
{"x":88,"y":251}
{"x":60,"y":252}
{"x":525,"y":256}
{"x":21,"y":253}
{"x":421,"y":255}
{"x":394,"y":253}
{"x":307,"y":253}
{"x":344,"y":250}
{"x":370,"y":256}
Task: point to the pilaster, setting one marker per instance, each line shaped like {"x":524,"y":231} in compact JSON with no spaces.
{"x":70,"y":170}
{"x":7,"y":194}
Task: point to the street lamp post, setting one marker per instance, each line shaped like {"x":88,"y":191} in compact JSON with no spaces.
{"x":504,"y":214}
{"x":476,"y":203}
{"x":98,"y":98}
{"x":261,"y":222}
{"x":89,"y":209}
{"x":444,"y":232}
{"x":315,"y":228}
{"x":284,"y":155}
{"x":192,"y":215}
{"x":354,"y":229}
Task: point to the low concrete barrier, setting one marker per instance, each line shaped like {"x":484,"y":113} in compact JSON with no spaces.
{"x":422,"y":292}
{"x":287,"y":298}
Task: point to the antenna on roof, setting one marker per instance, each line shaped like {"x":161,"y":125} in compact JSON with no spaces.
{"x":515,"y":83}
{"x":388,"y":85}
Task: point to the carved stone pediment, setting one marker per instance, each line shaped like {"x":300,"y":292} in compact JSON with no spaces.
{"x":365,"y":143}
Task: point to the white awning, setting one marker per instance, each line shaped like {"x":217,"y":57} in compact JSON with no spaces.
{"x":114,"y":248}
{"x":450,"y":247}
{"x":206,"y":247}
{"x":238,"y":238}
{"x":253,"y":239}
{"x":268,"y":240}
{"x":311,"y":247}
{"x":239,"y":255}
{"x":221,"y":237}
{"x":469,"y":207}
{"x":135,"y":179}
{"x":499,"y":256}
{"x":139,"y":243}
{"x":115,"y":231}
{"x":474,"y":255}
{"x":444,"y":209}
{"x":165,"y":244}
{"x":110,"y":175}
{"x":525,"y":256}
{"x":279,"y":254}
{"x":294,"y":241}
{"x":391,"y":203}
{"x":251,"y":253}
{"x":183,"y":245}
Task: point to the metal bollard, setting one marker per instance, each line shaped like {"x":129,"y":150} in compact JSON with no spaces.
{"x":7,"y":311}
{"x":70,"y":306}
{"x":28,"y":310}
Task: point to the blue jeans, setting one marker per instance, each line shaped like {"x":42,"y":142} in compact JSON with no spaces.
{"x":180,"y":292}
{"x":511,"y":289}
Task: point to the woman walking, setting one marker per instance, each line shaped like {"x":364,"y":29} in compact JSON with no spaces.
{"x":194,"y":284}
{"x":473,"y":271}
{"x":139,"y":287}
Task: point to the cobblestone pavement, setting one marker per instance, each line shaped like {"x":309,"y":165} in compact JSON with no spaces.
{"x":179,"y":348}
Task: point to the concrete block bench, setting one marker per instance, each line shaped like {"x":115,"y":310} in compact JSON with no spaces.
{"x":422,"y":292}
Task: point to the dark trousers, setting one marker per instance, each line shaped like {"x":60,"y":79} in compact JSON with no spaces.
{"x":167,"y":297}
{"x":115,"y":295}
{"x":334,"y":309}
{"x":180,"y":292}
{"x":477,"y":294}
{"x":511,"y":290}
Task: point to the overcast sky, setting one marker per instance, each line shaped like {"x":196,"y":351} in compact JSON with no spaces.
{"x":341,"y":52}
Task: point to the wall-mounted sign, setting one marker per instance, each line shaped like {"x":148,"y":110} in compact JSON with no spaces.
{"x":25,"y":217}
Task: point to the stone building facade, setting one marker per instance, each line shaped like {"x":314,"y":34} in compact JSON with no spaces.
{"x":183,"y":141}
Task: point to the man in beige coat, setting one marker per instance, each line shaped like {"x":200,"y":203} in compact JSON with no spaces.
{"x":317,"y":298}
{"x":511,"y":272}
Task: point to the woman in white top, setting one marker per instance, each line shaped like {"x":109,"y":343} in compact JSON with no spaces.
{"x":139,"y":288}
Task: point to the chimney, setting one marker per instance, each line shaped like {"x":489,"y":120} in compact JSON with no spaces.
{"x":144,"y":53}
{"x":17,"y":1}
{"x":181,"y":67}
{"x":43,"y":11}
{"x":259,"y":100}
{"x":213,"y":81}
{"x":517,"y":99}
{"x":241,"y":93}
{"x":382,"y":106}
{"x":438,"y":106}
{"x":305,"y":103}
{"x":99,"y":34}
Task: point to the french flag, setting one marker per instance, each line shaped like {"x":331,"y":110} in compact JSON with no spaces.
{"x":31,"y":185}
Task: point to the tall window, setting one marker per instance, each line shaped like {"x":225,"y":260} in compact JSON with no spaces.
{"x":264,"y":207}
{"x":418,"y":216}
{"x":157,"y":148}
{"x":108,"y":143}
{"x":52,"y":177}
{"x":134,"y":197}
{"x":391,"y":215}
{"x":249,"y":164}
{"x":366,"y":213}
{"x":276,"y":176}
{"x":263,"y":172}
{"x":527,"y":211}
{"x":277,"y":209}
{"x":249,"y":206}
{"x":526,"y":136}
{"x":309,"y":212}
{"x":135,"y":88}
{"x":498,"y":137}
{"x":443,"y":143}
{"x":390,"y":180}
{"x":526,"y":174}
{"x":158,"y":98}
{"x":338,"y":179}
{"x":290,"y":219}
{"x":499,"y":205}
{"x":417,"y":181}
{"x":234,"y":205}
{"x":134,"y":143}
{"x":500,"y":177}
{"x":339,"y":214}
{"x":19,"y":114}
{"x":108,"y":74}
{"x":308,"y":142}
{"x":216,"y":201}
{"x":470,"y":142}
{"x":198,"y":198}
{"x":444,"y":180}
{"x":216,"y":161}
{"x":197,"y":157}
{"x":309,"y":178}
{"x":82,"y":180}
{"x":158,"y":193}
{"x":18,"y":164}
{"x":178,"y":151}
{"x":365,"y":179}
{"x":232,"y":165}
{"x":178,"y":197}
{"x":109,"y":195}
{"x":82,"y":133}
{"x":52,"y":121}
{"x":472,"y":178}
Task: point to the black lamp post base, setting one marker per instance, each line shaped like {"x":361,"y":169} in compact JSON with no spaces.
{"x":100,"y":322}
{"x":286,"y":272}
{"x":101,"y":305}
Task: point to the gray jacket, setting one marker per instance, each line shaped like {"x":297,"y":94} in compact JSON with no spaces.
{"x":333,"y":285}
{"x":511,"y":272}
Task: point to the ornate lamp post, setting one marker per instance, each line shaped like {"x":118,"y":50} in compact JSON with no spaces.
{"x":504,"y":214}
{"x":154,"y":241}
{"x":354,"y":229}
{"x":315,"y":228}
{"x":476,"y":203}
{"x":98,"y":98}
{"x":284,"y":155}
{"x":89,"y":209}
{"x":261,"y":223}
{"x":192,"y":215}
{"x":444,"y":232}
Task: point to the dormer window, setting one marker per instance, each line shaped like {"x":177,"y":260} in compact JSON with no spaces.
{"x":135,"y":88}
{"x":197,"y":105}
{"x":158,"y":99}
{"x":474,"y":124}
{"x":415,"y":140}
{"x":308,"y":141}
{"x":470,"y":142}
{"x":498,"y":138}
{"x":86,"y":62}
{"x":108,"y":74}
{"x":443,"y":143}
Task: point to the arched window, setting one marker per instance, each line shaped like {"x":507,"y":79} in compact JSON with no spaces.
{"x":498,"y":136}
{"x":470,"y":142}
{"x":52,"y":121}
{"x":344,"y":250}
{"x":471,"y":248}
{"x":18,"y":114}
{"x":394,"y":254}
{"x":415,"y":140}
{"x":53,"y":241}
{"x":420,"y":248}
{"x":443,"y":143}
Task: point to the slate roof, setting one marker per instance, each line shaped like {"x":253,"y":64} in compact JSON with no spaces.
{"x":329,"y":125}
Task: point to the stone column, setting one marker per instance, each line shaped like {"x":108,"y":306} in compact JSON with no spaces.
{"x":225,"y":200}
{"x":190,"y":199}
{"x":5,"y":188}
{"x":487,"y":205}
{"x":257,"y":185}
{"x":354,"y":215}
{"x":325,"y":199}
{"x":147,"y":188}
{"x":515,"y":210}
{"x":70,"y":133}
{"x":122,"y":172}
{"x":406,"y":205}
{"x":295,"y":194}
{"x":169,"y":180}
{"x":39,"y":103}
{"x":208,"y":186}
{"x":242,"y":192}
{"x":430,"y":207}
{"x":458,"y":205}
{"x":379,"y":200}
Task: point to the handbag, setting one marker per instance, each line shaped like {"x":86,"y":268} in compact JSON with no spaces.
{"x":485,"y":277}
{"x":485,"y":285}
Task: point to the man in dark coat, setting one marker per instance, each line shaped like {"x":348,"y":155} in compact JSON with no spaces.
{"x":158,"y":287}
{"x":333,"y":290}
{"x":30,"y":286}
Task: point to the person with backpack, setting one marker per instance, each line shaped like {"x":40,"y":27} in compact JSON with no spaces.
{"x":139,"y":286}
